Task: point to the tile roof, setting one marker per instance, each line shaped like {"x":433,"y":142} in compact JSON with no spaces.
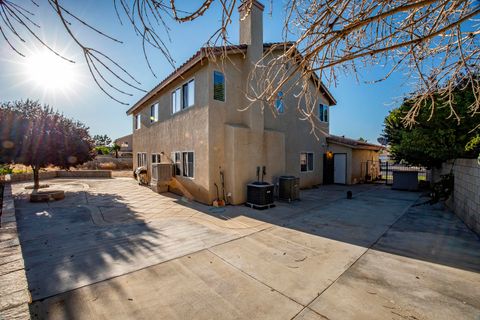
{"x":355,"y":144}
{"x":203,"y":53}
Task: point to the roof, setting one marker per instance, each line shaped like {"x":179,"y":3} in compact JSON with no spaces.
{"x":354,"y":144}
{"x":203,"y":54}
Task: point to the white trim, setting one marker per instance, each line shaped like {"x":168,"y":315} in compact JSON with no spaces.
{"x":180,"y":87}
{"x":194,"y":169}
{"x":146,"y":159}
{"x":156,"y":112}
{"x":313,"y":161}
{"x":137,"y":119}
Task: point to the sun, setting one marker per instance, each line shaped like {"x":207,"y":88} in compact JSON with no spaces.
{"x":50,"y":72}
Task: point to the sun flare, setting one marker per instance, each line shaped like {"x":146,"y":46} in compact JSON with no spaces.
{"x":50,"y":72}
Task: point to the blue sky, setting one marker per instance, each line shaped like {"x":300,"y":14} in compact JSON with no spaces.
{"x":360,"y":110}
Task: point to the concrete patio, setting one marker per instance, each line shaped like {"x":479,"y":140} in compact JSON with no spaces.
{"x":115,"y":250}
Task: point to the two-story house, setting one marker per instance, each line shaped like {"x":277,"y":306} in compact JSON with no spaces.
{"x":194,"y":119}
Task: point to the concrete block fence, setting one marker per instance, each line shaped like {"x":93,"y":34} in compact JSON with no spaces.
{"x":58,"y":174}
{"x":466,"y":194}
{"x":14,"y":294}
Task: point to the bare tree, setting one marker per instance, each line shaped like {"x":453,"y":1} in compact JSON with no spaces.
{"x":435,"y":42}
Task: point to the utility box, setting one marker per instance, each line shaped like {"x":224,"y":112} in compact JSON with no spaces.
{"x":288,"y":188}
{"x":405,"y":180}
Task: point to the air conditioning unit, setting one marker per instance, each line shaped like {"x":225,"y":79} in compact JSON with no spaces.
{"x":260,"y":195}
{"x":288,"y":188}
{"x":162,"y":174}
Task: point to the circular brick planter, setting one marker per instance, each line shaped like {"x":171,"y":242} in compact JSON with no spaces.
{"x":43,"y":196}
{"x":40,"y":186}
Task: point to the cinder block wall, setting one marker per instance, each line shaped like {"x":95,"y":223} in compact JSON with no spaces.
{"x":466,"y":195}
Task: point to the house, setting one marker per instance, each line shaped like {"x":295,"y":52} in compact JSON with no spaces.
{"x":349,"y":161}
{"x":193,"y":120}
{"x":126,"y":145}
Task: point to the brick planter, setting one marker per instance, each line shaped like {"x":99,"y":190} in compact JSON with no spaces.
{"x":14,"y":294}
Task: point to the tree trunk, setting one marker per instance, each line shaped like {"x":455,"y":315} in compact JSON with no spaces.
{"x":36,"y":178}
{"x":116,"y":153}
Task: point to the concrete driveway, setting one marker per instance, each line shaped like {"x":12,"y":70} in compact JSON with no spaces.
{"x":116,"y":250}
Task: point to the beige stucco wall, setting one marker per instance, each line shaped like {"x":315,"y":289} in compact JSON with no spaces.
{"x":186,"y":130}
{"x":226,"y":138}
{"x":359,"y":162}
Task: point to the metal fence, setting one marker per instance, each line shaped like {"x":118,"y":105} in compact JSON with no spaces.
{"x":387,"y":167}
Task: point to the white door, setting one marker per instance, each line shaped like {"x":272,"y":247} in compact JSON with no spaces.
{"x":340,"y":168}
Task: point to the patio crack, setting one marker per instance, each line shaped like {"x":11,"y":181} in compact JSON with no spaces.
{"x":356,"y":260}
{"x":254,"y":278}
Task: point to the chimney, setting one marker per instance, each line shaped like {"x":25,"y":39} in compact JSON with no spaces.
{"x":251,"y":25}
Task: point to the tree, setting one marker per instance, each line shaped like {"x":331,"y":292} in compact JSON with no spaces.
{"x":115,"y":148}
{"x":436,"y":137}
{"x":434,"y":41}
{"x":361,"y":139}
{"x":37,"y":136}
{"x":102,"y":140}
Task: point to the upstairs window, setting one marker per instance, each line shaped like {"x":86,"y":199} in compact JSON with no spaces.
{"x":218,"y":86}
{"x":188,"y":164}
{"x":176,"y":99}
{"x":188,"y":94}
{"x":279,"y":102}
{"x":306,"y":161}
{"x":138,"y":121}
{"x":323,"y":112}
{"x":154,"y":112}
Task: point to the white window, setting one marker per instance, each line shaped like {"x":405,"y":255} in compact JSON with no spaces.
{"x":177,"y":162}
{"x":183,"y":97}
{"x":279,"y":102}
{"x":323,"y":112}
{"x":154,"y":112}
{"x":218,"y":86}
{"x":188,"y":94}
{"x":141,"y":159}
{"x":306,"y":161}
{"x":188,"y":164}
{"x":138,"y":121}
{"x":156,"y":158}
{"x":176,"y":99}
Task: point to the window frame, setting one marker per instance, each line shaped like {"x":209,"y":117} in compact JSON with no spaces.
{"x":154,"y":116}
{"x":308,"y":163}
{"x":177,"y":164}
{"x":180,"y":92}
{"x":279,"y":102}
{"x":224,"y":86}
{"x":142,"y":157}
{"x":138,"y":121}
{"x":324,"y":114}
{"x":185,"y":173}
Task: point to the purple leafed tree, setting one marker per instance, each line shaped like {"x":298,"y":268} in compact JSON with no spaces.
{"x":38,"y":136}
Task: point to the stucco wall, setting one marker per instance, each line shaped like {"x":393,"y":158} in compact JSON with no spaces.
{"x":359,"y":162}
{"x":466,"y":193}
{"x":225,"y":138}
{"x":186,"y":130}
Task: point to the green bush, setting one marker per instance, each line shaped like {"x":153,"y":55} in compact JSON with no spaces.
{"x":102,"y":150}
{"x":5,"y":169}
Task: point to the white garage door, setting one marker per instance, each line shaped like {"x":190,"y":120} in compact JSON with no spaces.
{"x":340,"y":168}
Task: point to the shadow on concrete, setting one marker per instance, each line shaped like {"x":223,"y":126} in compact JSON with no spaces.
{"x":72,"y":243}
{"x":377,"y":217}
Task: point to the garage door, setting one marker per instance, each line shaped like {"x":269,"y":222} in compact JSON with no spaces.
{"x":340,"y":168}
